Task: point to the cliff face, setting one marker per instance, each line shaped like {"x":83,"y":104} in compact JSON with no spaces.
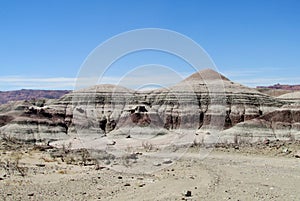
{"x":281,"y":124}
{"x":31,"y":120}
{"x":203,"y":101}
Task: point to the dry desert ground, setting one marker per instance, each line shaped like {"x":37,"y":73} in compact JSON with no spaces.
{"x":261,"y":171}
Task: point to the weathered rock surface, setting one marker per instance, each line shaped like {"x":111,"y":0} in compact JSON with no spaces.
{"x":203,"y":101}
{"x":238,"y":103}
{"x":281,"y":124}
{"x":26,"y":120}
{"x":273,"y":92}
{"x":290,"y":97}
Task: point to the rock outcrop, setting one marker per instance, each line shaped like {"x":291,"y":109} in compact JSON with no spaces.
{"x":28,"y":120}
{"x":290,"y":97}
{"x":205,"y":100}
{"x":281,"y":124}
{"x":239,"y":103}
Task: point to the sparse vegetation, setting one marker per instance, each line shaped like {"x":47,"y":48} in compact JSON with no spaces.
{"x":62,"y":172}
{"x":12,"y":164}
{"x":128,"y":159}
{"x":198,"y":143}
{"x":73,"y":156}
{"x":85,"y":156}
{"x":147,"y":146}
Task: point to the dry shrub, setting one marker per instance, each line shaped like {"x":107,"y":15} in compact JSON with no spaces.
{"x":12,"y":165}
{"x":128,"y":159}
{"x":62,"y":171}
{"x":198,"y":143}
{"x":85,"y":156}
{"x":147,"y":146}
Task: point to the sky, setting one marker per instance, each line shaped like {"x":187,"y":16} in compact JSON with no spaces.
{"x":43,"y":44}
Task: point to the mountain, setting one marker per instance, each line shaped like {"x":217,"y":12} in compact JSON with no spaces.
{"x":203,"y":103}
{"x":29,"y":94}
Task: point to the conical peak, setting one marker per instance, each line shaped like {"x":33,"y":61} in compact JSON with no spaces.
{"x":105,"y":88}
{"x":206,"y":74}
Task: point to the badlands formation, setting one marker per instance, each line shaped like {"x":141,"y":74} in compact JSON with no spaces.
{"x":205,"y":138}
{"x":203,"y":104}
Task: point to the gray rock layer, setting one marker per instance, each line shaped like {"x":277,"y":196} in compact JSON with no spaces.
{"x":281,"y":124}
{"x":205,"y":100}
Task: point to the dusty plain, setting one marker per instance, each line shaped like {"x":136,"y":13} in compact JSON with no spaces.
{"x":261,"y":171}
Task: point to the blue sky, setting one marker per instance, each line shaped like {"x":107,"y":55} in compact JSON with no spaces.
{"x":44,"y":43}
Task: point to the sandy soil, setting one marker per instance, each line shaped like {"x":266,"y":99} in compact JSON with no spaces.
{"x":225,"y":174}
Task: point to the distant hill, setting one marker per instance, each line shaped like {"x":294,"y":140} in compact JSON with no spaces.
{"x":278,"y":89}
{"x":281,"y":86}
{"x":29,"y":94}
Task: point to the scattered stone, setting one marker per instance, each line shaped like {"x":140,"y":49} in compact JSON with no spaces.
{"x":112,"y":143}
{"x":98,"y":167}
{"x":141,"y":185}
{"x":297,"y":154}
{"x":30,"y":194}
{"x":1,"y":178}
{"x":157,"y":164}
{"x":167,"y":161}
{"x":127,"y":184}
{"x":40,"y":165}
{"x":107,"y":162}
{"x":286,"y":151}
{"x":188,"y":194}
{"x":119,"y":177}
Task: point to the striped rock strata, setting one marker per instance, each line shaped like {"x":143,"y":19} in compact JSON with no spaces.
{"x":203,"y":101}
